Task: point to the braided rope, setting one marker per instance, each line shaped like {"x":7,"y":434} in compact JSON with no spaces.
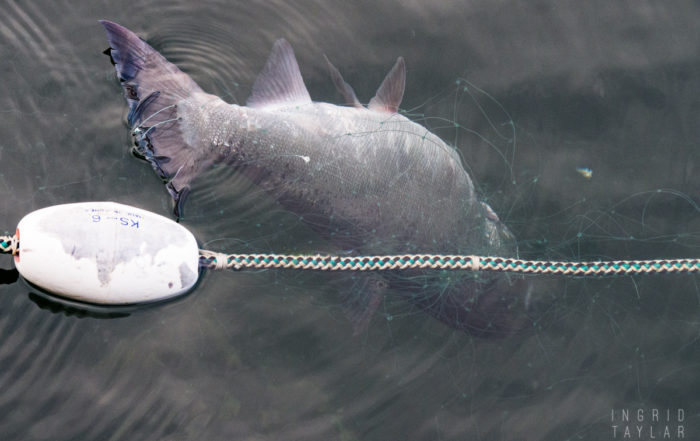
{"x":9,"y":245}
{"x":211,"y":259}
{"x":214,"y":260}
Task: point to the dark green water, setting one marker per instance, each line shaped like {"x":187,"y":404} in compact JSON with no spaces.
{"x":527,"y":91}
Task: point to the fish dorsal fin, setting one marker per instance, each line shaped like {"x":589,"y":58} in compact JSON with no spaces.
{"x":280,"y":81}
{"x":390,"y":93}
{"x":343,"y":88}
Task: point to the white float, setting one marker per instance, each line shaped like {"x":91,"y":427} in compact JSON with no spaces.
{"x":106,"y":253}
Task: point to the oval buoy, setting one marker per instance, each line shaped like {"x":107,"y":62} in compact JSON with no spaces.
{"x":106,"y":253}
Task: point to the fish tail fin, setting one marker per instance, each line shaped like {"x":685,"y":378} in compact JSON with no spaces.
{"x":154,"y":88}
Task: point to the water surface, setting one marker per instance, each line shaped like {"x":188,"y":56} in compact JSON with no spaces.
{"x":527,"y":91}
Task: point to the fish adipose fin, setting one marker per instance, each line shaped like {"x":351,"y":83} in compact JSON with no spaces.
{"x":153,"y":88}
{"x":390,"y":93}
{"x":280,"y":82}
{"x":343,"y":88}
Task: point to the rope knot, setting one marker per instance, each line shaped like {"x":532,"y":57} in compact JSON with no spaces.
{"x":476,"y":263}
{"x":216,"y":260}
{"x":221,"y":261}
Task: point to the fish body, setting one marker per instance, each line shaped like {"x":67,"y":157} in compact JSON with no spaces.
{"x":367,"y":179}
{"x":358,"y":175}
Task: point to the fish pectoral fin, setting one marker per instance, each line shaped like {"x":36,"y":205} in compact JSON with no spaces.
{"x":280,"y":81}
{"x":390,"y":92}
{"x":362,"y":299}
{"x":343,"y":88}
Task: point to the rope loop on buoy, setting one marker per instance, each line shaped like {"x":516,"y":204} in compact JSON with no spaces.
{"x":213,"y":260}
{"x":9,"y":245}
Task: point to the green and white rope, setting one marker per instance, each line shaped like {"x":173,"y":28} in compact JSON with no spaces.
{"x":215,"y":260}
{"x":9,"y":245}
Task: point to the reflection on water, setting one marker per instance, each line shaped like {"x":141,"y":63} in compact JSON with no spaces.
{"x":270,"y":355}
